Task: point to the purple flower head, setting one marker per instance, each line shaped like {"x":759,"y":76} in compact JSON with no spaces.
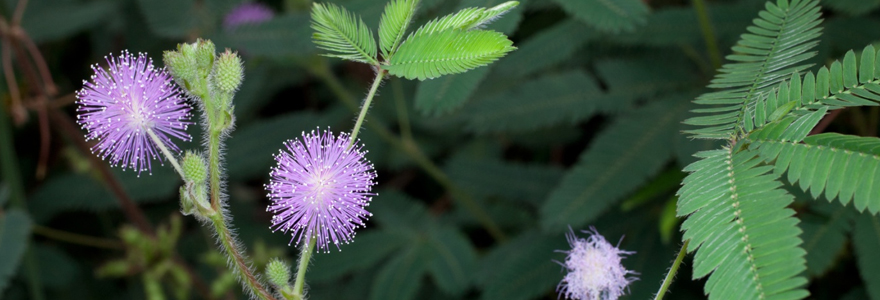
{"x":122,"y":103}
{"x":247,"y":13}
{"x":320,"y":189}
{"x":594,"y":269}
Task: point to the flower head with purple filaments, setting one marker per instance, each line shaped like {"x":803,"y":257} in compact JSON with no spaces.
{"x":320,"y":189}
{"x":594,"y":269}
{"x":247,"y":13}
{"x":123,"y":102}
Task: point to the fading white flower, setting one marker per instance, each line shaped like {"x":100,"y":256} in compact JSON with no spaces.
{"x":594,"y":269}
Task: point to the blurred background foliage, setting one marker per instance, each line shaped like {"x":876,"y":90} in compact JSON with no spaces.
{"x":480,"y":174}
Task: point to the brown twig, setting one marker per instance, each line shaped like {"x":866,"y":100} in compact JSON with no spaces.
{"x":18,"y":113}
{"x":825,"y":122}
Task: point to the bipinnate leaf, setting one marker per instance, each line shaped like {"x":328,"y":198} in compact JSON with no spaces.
{"x":825,"y":235}
{"x":610,"y":16}
{"x":866,"y":241}
{"x":401,"y":277}
{"x":392,"y":27}
{"x":447,"y":52}
{"x":613,"y":166}
{"x":453,"y":260}
{"x":15,"y":228}
{"x":465,"y":19}
{"x":343,"y":33}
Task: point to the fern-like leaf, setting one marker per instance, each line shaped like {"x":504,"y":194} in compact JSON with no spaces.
{"x":392,"y":27}
{"x":775,"y":46}
{"x":340,"y":31}
{"x":447,"y":52}
{"x":844,"y":167}
{"x":465,"y":19}
{"x":738,"y":221}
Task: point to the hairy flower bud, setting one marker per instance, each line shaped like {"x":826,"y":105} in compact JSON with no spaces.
{"x":228,"y":72}
{"x":278,"y":273}
{"x":181,"y":67}
{"x":194,"y":167}
{"x":204,"y":55}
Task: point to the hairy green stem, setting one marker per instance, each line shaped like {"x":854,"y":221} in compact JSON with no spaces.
{"x":241,"y":268}
{"x":323,"y":72}
{"x":167,"y":153}
{"x":708,"y":33}
{"x":672,"y":270}
{"x":214,"y":168}
{"x":366,"y":106}
{"x":304,"y":258}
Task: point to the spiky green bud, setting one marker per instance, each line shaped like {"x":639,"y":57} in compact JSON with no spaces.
{"x":278,"y":273}
{"x":195,"y":169}
{"x":228,"y":72}
{"x":181,"y":67}
{"x":204,"y":55}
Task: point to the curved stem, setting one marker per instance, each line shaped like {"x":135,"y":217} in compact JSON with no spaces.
{"x":214,"y":168}
{"x":672,"y":270}
{"x":366,"y":106}
{"x":241,"y":268}
{"x":708,"y":33}
{"x":304,"y":258}
{"x":167,"y":153}
{"x":75,"y":238}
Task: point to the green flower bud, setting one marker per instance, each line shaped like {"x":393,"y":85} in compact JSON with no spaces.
{"x":195,"y":169}
{"x":228,"y":72}
{"x":204,"y":55}
{"x":187,"y":203}
{"x":278,"y":273}
{"x":181,"y":67}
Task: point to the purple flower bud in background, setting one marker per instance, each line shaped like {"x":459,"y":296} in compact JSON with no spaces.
{"x":594,"y":269}
{"x":122,"y":103}
{"x":320,"y":189}
{"x":247,"y":13}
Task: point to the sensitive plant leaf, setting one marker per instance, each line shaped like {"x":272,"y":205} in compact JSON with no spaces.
{"x":342,"y":32}
{"x":447,"y":52}
{"x":397,"y":211}
{"x":465,"y":19}
{"x":841,"y":166}
{"x":741,"y":229}
{"x":825,"y":235}
{"x":546,"y":48}
{"x":553,"y":99}
{"x":608,"y":16}
{"x":528,"y":183}
{"x":281,"y":37}
{"x":169,"y":18}
{"x":15,"y":228}
{"x":369,"y":248}
{"x":401,"y":277}
{"x":75,"y":17}
{"x":447,"y":93}
{"x":866,"y":241}
{"x":392,"y":27}
{"x":776,"y":45}
{"x":613,"y":166}
{"x":453,"y":260}
{"x":522,"y":268}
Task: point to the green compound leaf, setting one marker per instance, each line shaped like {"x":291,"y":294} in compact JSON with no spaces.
{"x":15,"y":228}
{"x":366,"y":251}
{"x":523,"y":268}
{"x":392,"y":27}
{"x":447,"y":52}
{"x":465,"y":19}
{"x":866,"y":241}
{"x":614,"y":166}
{"x":445,"y":94}
{"x":610,"y":16}
{"x":546,"y":48}
{"x":526,"y":183}
{"x":777,"y":44}
{"x":401,"y":277}
{"x":553,"y":99}
{"x":340,"y":31}
{"x":741,"y":228}
{"x":453,"y":260}
{"x":169,"y":18}
{"x":825,"y":235}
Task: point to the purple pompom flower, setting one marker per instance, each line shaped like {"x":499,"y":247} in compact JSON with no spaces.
{"x":123,"y":104}
{"x":320,"y":189}
{"x":594,"y":269}
{"x":247,"y":13}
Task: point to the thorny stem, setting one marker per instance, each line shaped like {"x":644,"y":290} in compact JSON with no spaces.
{"x":708,"y":33}
{"x":360,"y":120}
{"x":304,"y":259}
{"x":168,"y":154}
{"x":672,"y":270}
{"x":411,"y":149}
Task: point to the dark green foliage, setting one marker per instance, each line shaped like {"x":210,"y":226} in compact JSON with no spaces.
{"x":15,"y":227}
{"x":825,"y":235}
{"x":608,"y":16}
{"x":522,"y":268}
{"x":866,"y":241}
{"x":284,"y":36}
{"x":168,"y":18}
{"x":75,"y":17}
{"x":447,"y":93}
